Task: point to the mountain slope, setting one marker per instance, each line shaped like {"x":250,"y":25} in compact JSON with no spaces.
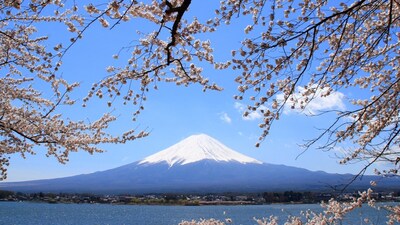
{"x":198,"y":164}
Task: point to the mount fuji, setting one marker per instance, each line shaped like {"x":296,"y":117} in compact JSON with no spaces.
{"x":198,"y":164}
{"x":197,"y":148}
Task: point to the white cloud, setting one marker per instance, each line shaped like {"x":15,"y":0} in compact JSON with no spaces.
{"x":225,"y":117}
{"x":333,"y":101}
{"x":253,"y":115}
{"x":126,"y":158}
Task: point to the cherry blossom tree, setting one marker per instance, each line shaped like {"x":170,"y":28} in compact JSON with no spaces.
{"x":28,"y":118}
{"x":293,"y":53}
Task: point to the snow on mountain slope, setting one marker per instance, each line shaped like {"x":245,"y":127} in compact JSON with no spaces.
{"x":196,"y":148}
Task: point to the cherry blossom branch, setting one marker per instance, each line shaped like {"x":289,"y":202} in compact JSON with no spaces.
{"x":392,"y":137}
{"x":180,"y":11}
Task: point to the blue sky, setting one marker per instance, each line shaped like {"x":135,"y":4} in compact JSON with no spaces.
{"x":173,"y":113}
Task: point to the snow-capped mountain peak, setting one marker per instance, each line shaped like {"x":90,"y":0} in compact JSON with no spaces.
{"x":196,"y":148}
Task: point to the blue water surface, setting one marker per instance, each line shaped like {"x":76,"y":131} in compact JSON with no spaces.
{"x":27,"y":213}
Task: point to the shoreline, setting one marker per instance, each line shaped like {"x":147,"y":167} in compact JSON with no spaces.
{"x":224,"y":203}
{"x":265,"y":198}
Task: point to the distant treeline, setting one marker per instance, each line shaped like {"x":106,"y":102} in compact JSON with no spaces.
{"x":190,"y":199}
{"x":291,"y":196}
{"x":6,"y":194}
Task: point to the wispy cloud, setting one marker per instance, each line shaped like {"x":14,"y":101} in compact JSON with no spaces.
{"x":225,"y":117}
{"x":333,"y":101}
{"x":126,"y":158}
{"x":253,"y":115}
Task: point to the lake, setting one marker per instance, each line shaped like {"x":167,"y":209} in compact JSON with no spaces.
{"x":28,"y":213}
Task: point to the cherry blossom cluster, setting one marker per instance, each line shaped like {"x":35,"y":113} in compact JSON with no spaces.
{"x":394,"y":216}
{"x":334,"y":212}
{"x":29,"y":117}
{"x":322,"y":47}
{"x":163,"y":55}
